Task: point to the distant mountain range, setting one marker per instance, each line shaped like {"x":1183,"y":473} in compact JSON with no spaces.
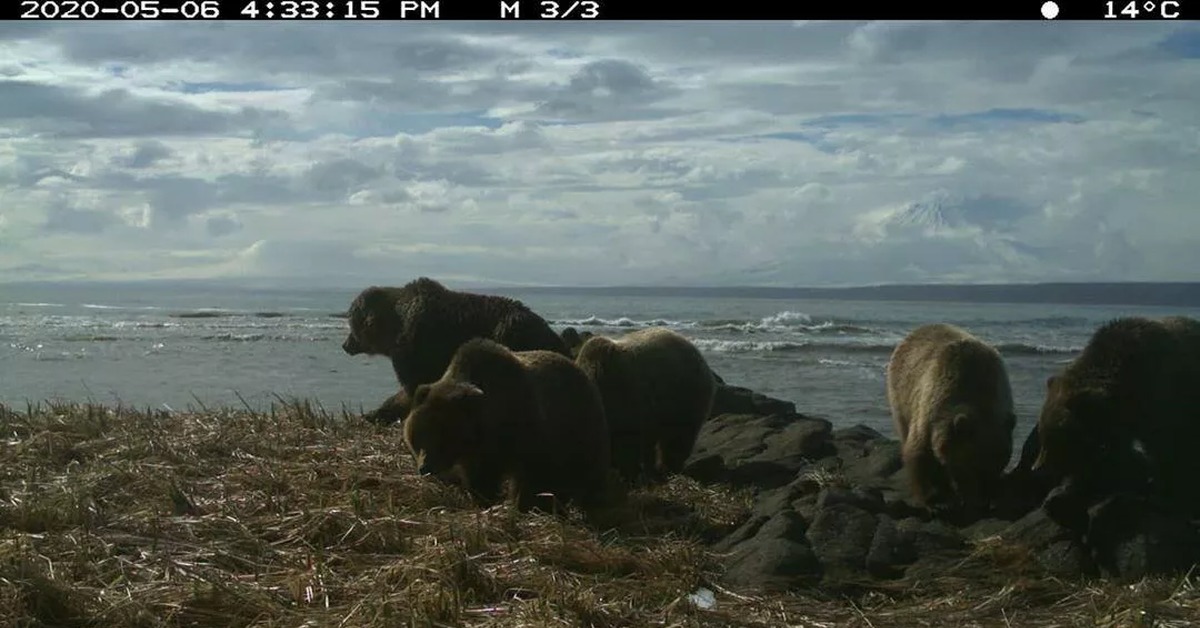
{"x":1128,"y":293}
{"x":1168,"y":294}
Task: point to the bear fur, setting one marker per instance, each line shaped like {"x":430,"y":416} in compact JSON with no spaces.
{"x":1136,"y":382}
{"x":421,"y":324}
{"x":531,"y":416}
{"x":574,"y":339}
{"x":393,"y":409}
{"x":657,"y":390}
{"x":952,"y":405}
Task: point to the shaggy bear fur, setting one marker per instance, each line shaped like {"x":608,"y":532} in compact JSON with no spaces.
{"x":421,"y":324}
{"x":531,"y":416}
{"x":574,"y":339}
{"x":1136,"y":382}
{"x":953,"y":409}
{"x":657,"y":390}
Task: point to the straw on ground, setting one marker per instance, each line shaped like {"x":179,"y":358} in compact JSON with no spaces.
{"x":112,"y":516}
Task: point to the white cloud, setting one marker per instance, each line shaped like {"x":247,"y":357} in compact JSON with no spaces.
{"x":767,"y":153}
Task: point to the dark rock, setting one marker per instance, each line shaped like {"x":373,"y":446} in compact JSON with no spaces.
{"x":886,"y":551}
{"x":1068,"y":558}
{"x":1131,"y":539}
{"x":899,"y":507}
{"x":930,"y":537}
{"x":785,"y":525}
{"x":985,"y":528}
{"x":869,"y":457}
{"x":1056,"y":547}
{"x":772,"y":563}
{"x":806,"y":506}
{"x":771,"y":502}
{"x":744,"y":533}
{"x":841,"y":535}
{"x":870,"y":500}
{"x":739,"y":400}
{"x":763,"y":451}
{"x":774,"y":555}
{"x":1037,"y":530}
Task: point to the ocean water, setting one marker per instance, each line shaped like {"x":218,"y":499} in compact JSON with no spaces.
{"x":156,"y":347}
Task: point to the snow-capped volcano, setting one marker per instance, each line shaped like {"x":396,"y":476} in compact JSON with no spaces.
{"x":939,"y":213}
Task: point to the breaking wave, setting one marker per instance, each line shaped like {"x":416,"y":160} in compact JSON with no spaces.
{"x":781,"y":322}
{"x":818,"y":346}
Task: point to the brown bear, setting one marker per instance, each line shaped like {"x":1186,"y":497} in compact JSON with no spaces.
{"x":952,"y":405}
{"x":531,"y":416}
{"x":1137,"y":382}
{"x":393,"y":409}
{"x":657,"y":390}
{"x":421,"y":324}
{"x":574,"y":339}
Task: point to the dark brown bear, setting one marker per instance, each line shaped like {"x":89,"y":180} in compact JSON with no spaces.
{"x":531,"y":416}
{"x":952,"y":405}
{"x":421,"y":324}
{"x":574,"y":339}
{"x":657,"y":391}
{"x":1136,"y":382}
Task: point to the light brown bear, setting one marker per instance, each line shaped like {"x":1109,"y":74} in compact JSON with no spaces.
{"x":657,"y":390}
{"x":953,"y":408}
{"x":529,"y":416}
{"x":421,"y":324}
{"x":1136,"y":382}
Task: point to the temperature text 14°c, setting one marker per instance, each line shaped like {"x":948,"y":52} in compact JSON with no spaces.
{"x":1164,"y":9}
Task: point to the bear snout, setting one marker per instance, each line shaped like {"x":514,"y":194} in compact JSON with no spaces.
{"x":351,"y":346}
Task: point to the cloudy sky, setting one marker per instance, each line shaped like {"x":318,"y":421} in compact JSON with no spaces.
{"x":600,"y":153}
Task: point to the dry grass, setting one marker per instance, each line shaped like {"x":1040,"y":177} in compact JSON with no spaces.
{"x":297,"y":517}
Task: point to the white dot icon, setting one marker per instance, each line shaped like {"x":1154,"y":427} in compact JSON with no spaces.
{"x":1050,"y":9}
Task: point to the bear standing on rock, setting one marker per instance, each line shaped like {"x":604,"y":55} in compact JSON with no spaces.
{"x":952,"y":404}
{"x":657,"y":390}
{"x":531,"y":416}
{"x":1136,"y":381}
{"x":421,"y":324}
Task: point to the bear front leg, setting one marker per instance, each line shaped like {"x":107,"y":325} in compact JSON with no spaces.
{"x":626,"y":452}
{"x":650,"y":450}
{"x":676,"y":444}
{"x":393,"y":410}
{"x":484,"y":482}
{"x":928,"y":482}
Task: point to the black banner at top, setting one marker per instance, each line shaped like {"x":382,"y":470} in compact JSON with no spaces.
{"x":370,"y":10}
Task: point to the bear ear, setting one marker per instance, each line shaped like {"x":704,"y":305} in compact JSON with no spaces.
{"x":961,"y":424}
{"x":467,"y":389}
{"x":369,"y":296}
{"x":420,"y":394}
{"x":1051,"y":381}
{"x":1039,"y":463}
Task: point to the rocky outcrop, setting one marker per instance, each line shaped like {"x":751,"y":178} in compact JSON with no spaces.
{"x":832,"y":505}
{"x":738,"y":400}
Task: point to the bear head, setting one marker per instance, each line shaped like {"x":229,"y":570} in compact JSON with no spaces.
{"x":443,"y":425}
{"x":974,"y":449}
{"x":374,"y":323}
{"x":1073,"y":430}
